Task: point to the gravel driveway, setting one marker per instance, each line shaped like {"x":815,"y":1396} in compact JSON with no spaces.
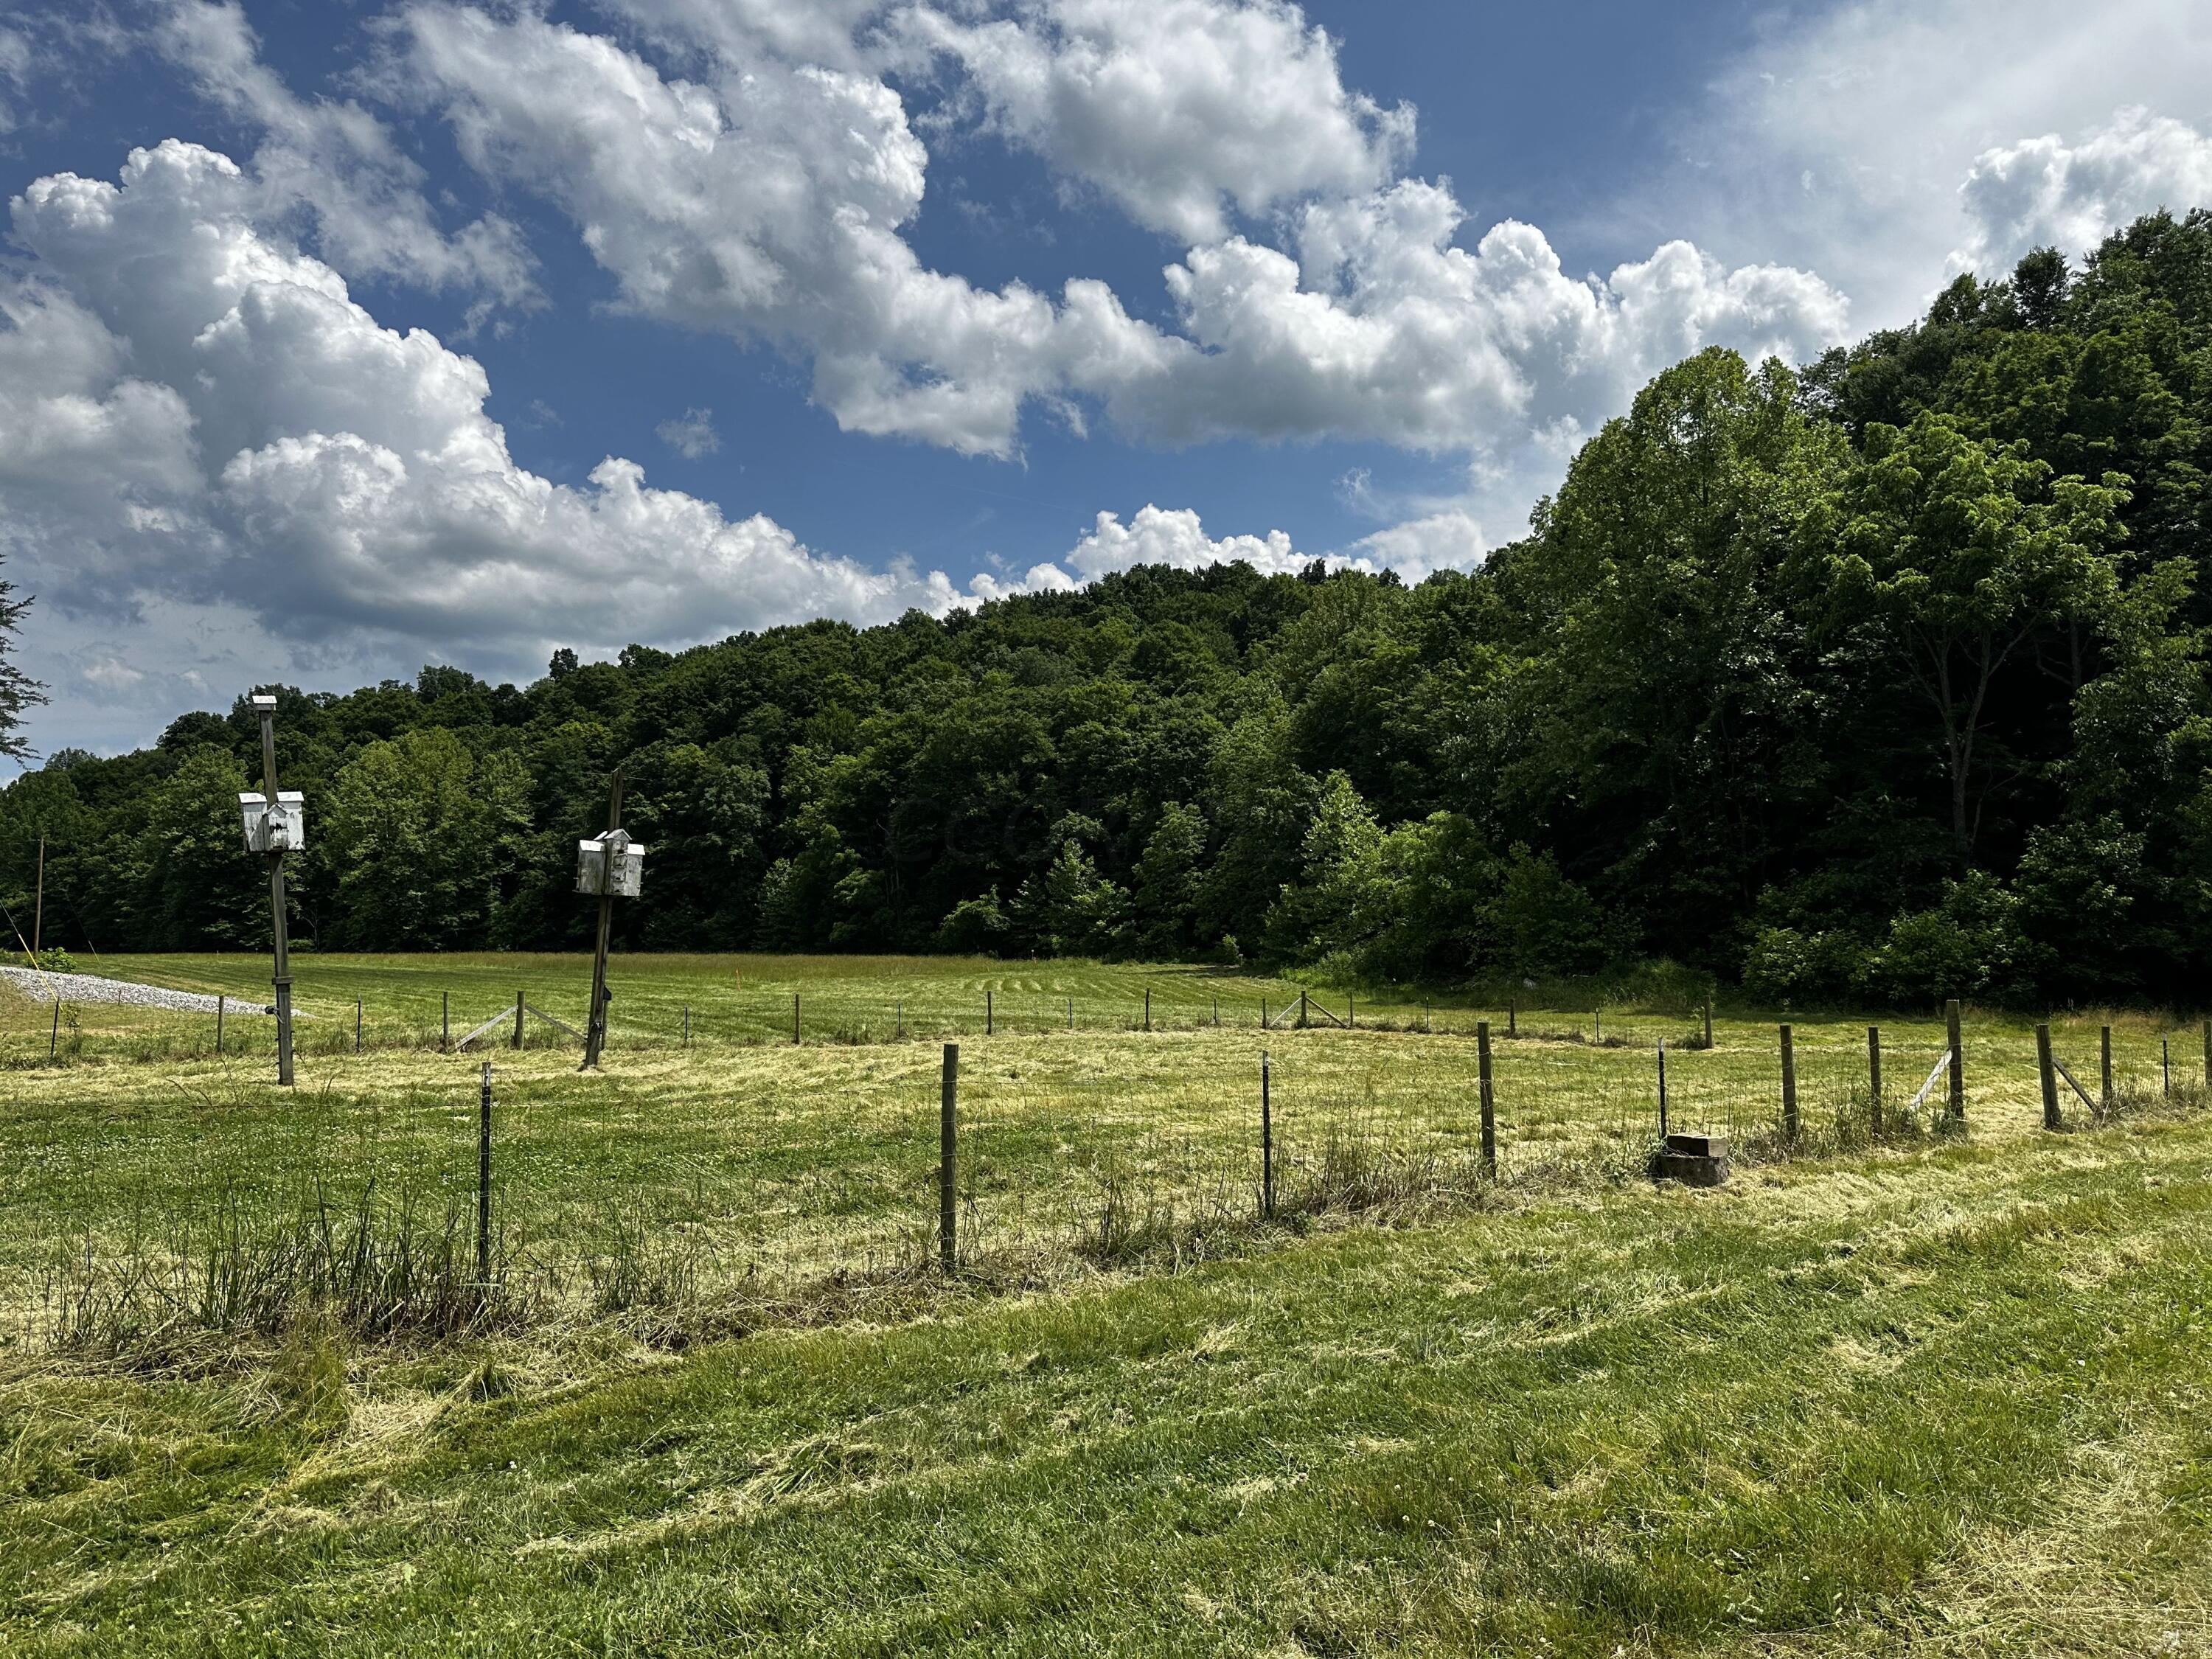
{"x":90,"y":987}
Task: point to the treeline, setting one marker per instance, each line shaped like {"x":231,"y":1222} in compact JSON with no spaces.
{"x":1882,"y":681}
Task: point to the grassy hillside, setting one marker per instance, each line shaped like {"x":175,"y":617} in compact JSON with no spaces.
{"x":1920,"y":1390}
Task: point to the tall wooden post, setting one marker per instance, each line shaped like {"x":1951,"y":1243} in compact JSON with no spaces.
{"x":281,"y":979}
{"x":1663,"y":1089}
{"x":989,"y":1017}
{"x":483,"y":1179}
{"x":1302,"y":1011}
{"x":1266,"y":1137}
{"x":595,"y":1022}
{"x":2105,"y":1069}
{"x":357,"y":1025}
{"x":1148,"y":1007}
{"x":1513,"y":1017}
{"x":1597,"y":1025}
{"x":518,"y":1019}
{"x":687,"y":1025}
{"x":221,"y":1005}
{"x":1788,"y":1086}
{"x":1351,"y":1012}
{"x":1709,"y":1023}
{"x":948,"y":1131}
{"x":2165,"y":1070}
{"x":794,"y":1019}
{"x":1874,"y":1074}
{"x":444,"y":1022}
{"x":2050,"y":1075}
{"x":1488,"y":1099}
{"x":1958,"y":1060}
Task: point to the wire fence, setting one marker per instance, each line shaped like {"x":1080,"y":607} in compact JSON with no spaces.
{"x":700,"y":1199}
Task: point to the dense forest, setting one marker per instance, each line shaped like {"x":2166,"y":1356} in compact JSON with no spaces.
{"x":1877,"y":681}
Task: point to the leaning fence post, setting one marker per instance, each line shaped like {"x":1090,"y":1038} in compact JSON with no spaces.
{"x":1873,"y":1075}
{"x":483,"y":1179}
{"x":1958,"y":1060}
{"x":1788,"y":1086}
{"x":518,"y":1019}
{"x":220,"y":1001}
{"x":948,"y":1218}
{"x":2105,"y":1069}
{"x":1488,"y":1099}
{"x":1266,"y":1138}
{"x":2050,"y":1075}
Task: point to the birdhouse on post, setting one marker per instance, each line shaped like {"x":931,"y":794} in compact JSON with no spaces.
{"x":612,"y":866}
{"x":279,"y":829}
{"x":275,"y":823}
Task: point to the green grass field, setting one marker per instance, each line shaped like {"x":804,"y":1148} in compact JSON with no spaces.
{"x":1923,"y":1390}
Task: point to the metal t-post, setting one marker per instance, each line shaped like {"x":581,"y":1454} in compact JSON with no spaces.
{"x":595,"y":1027}
{"x":282,"y":976}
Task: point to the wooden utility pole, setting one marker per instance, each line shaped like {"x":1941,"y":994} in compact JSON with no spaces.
{"x":281,"y":979}
{"x":595,"y":1023}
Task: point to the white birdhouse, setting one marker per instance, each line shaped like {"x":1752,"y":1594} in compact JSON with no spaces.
{"x":280,"y":828}
{"x":615,"y":856}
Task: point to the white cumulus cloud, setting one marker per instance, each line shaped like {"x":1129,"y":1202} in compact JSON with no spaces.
{"x":1176,"y":109}
{"x":2046,"y":193}
{"x":191,"y":406}
{"x":692,"y":435}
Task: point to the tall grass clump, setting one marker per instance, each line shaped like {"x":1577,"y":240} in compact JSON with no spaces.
{"x":371,"y":1268}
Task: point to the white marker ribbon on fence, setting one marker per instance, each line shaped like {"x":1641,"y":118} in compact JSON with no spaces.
{"x":1942,"y":1066}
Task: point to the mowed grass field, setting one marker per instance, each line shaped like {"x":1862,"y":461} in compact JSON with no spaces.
{"x":1928,"y":1390}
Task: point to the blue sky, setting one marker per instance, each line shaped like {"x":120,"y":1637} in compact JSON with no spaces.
{"x":452,"y":332}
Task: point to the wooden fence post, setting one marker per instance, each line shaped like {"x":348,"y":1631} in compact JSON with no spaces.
{"x":2165,"y":1070}
{"x":1709,"y":1022}
{"x":1597,"y":1025}
{"x":54,"y":1038}
{"x":1351,"y":1012}
{"x":1958,"y":1060}
{"x":1263,"y":1013}
{"x":357,"y":1025}
{"x":1148,"y":1007}
{"x":1513,"y":1017}
{"x":899,"y":1015}
{"x":1489,"y":1100}
{"x":1788,"y":1086}
{"x":948,"y":1211}
{"x":1873,"y":1075}
{"x":518,"y":1019}
{"x":687,"y":1025}
{"x":1302,"y":1011}
{"x":220,"y":1002}
{"x":2105,"y":1069}
{"x":990,"y":1016}
{"x":2050,"y":1075}
{"x":1663,"y":1090}
{"x":2207,"y":1054}
{"x":1266,"y":1138}
{"x":794,"y":1019}
{"x":483,"y":1179}
{"x":444,"y":1022}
